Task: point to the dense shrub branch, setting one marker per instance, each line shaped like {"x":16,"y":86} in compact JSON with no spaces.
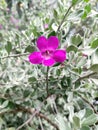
{"x":84,"y":77}
{"x":32,"y":111}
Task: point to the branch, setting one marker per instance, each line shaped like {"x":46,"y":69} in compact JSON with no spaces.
{"x":13,"y":111}
{"x":29,"y":120}
{"x":47,"y":81}
{"x":17,"y":55}
{"x":90,"y":104}
{"x":64,"y":17}
{"x":31,"y":111}
{"x":84,"y":77}
{"x":34,"y":112}
{"x":48,"y":120}
{"x":41,"y":125}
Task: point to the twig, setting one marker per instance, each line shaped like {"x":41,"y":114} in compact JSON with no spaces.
{"x":36,"y":112}
{"x":90,"y":104}
{"x":47,"y":81}
{"x":29,"y":120}
{"x":32,"y":111}
{"x":41,"y":125}
{"x":48,"y":120}
{"x":26,"y":18}
{"x":64,"y":18}
{"x":83,"y":77}
{"x":14,"y":111}
{"x":17,"y":55}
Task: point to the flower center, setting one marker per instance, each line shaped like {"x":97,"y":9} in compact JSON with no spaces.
{"x":47,"y":54}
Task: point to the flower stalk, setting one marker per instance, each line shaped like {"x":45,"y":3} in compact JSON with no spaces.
{"x":47,"y":74}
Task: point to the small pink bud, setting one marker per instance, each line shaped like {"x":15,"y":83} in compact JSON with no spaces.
{"x":45,"y":26}
{"x":1,"y":27}
{"x":84,"y":55}
{"x":7,"y":10}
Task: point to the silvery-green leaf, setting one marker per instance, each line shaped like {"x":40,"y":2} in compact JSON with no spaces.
{"x":63,"y":124}
{"x":90,"y":120}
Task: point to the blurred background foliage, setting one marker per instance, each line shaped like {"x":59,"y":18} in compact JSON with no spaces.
{"x":73,"y":85}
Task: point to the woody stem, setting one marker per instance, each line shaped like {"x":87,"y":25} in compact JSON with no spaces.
{"x":47,"y":81}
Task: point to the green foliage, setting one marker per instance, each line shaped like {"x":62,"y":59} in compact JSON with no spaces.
{"x":85,"y":128}
{"x":92,"y":119}
{"x":94,"y":44}
{"x":94,"y":67}
{"x":76,"y":40}
{"x":76,"y":122}
{"x":74,"y":2}
{"x":8,"y":47}
{"x":72,"y":85}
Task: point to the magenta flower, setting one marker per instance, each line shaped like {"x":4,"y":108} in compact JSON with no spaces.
{"x":48,"y":54}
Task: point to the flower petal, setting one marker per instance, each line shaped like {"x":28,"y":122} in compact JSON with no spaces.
{"x":53,"y":43}
{"x":35,"y":58}
{"x":42,"y":43}
{"x":59,"y":55}
{"x":48,"y":62}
